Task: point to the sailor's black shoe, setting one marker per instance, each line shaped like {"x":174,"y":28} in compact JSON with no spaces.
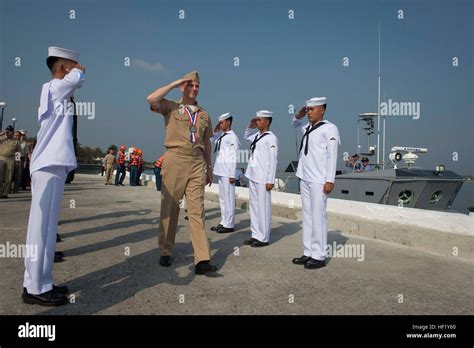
{"x":61,"y":289}
{"x":250,"y":241}
{"x":301,"y":260}
{"x":225,"y":230}
{"x":314,"y":264}
{"x":258,"y":244}
{"x":50,"y":298}
{"x":58,"y":258}
{"x":215,"y":228}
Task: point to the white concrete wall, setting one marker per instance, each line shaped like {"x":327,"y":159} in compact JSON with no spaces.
{"x":440,"y":221}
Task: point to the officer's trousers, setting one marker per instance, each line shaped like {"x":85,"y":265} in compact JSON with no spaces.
{"x":47,"y":188}
{"x":227,"y":202}
{"x":315,"y":220}
{"x":260,"y":201}
{"x":183,"y":173}
{"x":9,"y":166}
{"x":109,"y":172}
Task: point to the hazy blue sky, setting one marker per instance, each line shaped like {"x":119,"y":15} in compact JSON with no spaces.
{"x":282,"y":62}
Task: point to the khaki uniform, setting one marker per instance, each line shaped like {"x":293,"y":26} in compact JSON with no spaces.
{"x":8,"y":147}
{"x":183,"y":173}
{"x":109,"y":168}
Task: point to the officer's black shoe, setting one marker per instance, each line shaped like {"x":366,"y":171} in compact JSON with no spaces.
{"x":215,"y":228}
{"x":50,"y":298}
{"x":59,"y":253}
{"x":58,"y":239}
{"x":258,"y":244}
{"x":250,"y":241}
{"x":58,"y":258}
{"x":225,"y":230}
{"x":165,"y":261}
{"x":205,"y":268}
{"x":121,"y":184}
{"x":301,"y":260}
{"x":314,"y":264}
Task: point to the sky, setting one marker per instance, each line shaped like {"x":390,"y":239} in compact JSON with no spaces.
{"x":282,"y":61}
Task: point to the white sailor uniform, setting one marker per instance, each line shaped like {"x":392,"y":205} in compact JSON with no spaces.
{"x":316,"y":166}
{"x":52,"y":159}
{"x":260,"y":171}
{"x":226,"y":148}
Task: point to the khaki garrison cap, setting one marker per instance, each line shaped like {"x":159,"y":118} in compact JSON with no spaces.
{"x":193,"y":75}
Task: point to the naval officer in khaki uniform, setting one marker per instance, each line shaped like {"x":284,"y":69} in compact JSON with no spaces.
{"x":186,"y":169}
{"x":8,"y":147}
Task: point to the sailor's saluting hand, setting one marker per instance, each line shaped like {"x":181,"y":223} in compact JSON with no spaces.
{"x":253,"y":123}
{"x":77,"y":66}
{"x":301,"y":113}
{"x":80,"y":67}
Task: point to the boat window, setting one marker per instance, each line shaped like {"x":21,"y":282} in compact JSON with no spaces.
{"x":369,"y":193}
{"x":405,"y":196}
{"x":345,"y":192}
{"x":436,"y":197}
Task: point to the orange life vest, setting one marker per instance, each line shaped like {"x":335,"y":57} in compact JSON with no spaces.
{"x":159,"y":161}
{"x":133,"y":160}
{"x":121,"y":158}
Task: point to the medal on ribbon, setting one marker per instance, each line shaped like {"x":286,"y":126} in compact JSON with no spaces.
{"x":192,"y":124}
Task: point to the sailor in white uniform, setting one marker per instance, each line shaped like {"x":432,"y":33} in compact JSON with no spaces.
{"x":261,"y":172}
{"x":317,"y":170}
{"x":226,"y":146}
{"x":52,"y":159}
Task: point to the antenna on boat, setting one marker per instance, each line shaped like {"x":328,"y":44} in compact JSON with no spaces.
{"x":378,"y":116}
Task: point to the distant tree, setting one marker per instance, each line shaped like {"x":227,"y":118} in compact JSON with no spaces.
{"x":88,"y":155}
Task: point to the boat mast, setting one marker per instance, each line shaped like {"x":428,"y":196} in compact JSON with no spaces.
{"x":378,"y":116}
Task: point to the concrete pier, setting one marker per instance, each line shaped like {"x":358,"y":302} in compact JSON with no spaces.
{"x":384,"y":266}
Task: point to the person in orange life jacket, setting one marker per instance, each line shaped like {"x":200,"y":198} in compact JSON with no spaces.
{"x":157,"y":170}
{"x":133,"y":167}
{"x":141,"y":163}
{"x":120,"y":162}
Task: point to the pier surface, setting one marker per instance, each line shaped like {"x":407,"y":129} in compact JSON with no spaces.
{"x":111,"y":265}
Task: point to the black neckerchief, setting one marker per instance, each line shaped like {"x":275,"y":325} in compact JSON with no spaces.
{"x":218,"y":143}
{"x":309,"y":129}
{"x":254,"y":142}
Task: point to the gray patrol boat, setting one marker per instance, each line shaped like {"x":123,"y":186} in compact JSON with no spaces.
{"x":403,"y":184}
